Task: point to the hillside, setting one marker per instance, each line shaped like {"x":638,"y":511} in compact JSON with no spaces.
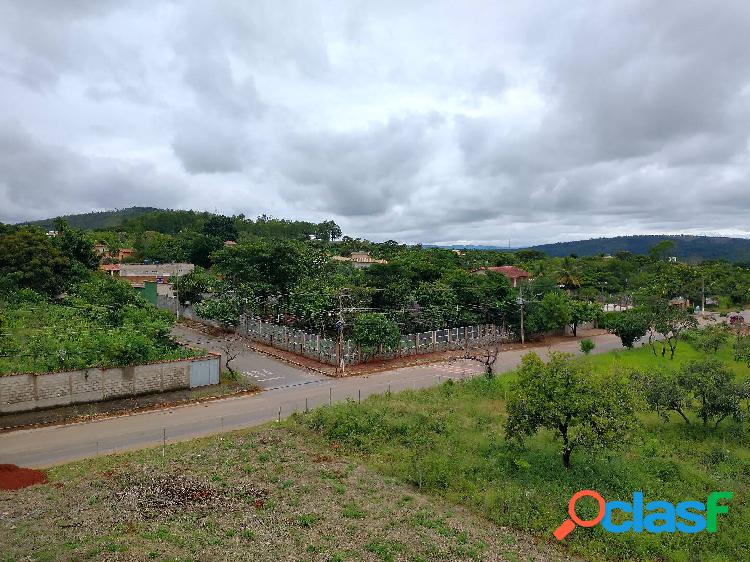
{"x":96,"y":220}
{"x":690,"y":248}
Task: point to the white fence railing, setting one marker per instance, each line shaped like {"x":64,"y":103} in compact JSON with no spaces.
{"x":326,"y":350}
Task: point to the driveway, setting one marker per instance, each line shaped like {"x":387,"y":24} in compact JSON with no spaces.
{"x":53,"y":445}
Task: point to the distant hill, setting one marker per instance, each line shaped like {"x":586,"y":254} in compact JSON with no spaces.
{"x":687,"y":248}
{"x":95,"y":220}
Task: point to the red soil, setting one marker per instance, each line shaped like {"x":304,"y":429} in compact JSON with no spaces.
{"x":13,"y":477}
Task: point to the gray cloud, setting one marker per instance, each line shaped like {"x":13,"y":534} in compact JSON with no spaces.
{"x":426,"y":121}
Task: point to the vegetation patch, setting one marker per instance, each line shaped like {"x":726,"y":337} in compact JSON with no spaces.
{"x":214,"y":499}
{"x":102,"y":322}
{"x":453,"y":441}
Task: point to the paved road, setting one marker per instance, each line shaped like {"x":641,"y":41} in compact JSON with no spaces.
{"x":261,"y":369}
{"x":53,"y":445}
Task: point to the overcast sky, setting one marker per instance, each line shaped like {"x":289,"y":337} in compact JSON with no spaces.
{"x":462,"y":121}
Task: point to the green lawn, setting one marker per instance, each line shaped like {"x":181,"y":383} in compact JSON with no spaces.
{"x":643,"y":358}
{"x":450,"y":441}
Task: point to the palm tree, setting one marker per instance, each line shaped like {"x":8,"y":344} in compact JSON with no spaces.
{"x":566,"y":276}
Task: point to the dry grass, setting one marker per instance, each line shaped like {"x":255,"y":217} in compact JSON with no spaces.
{"x":276,"y":493}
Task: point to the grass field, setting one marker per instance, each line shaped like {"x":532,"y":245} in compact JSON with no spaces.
{"x":275,"y":493}
{"x":643,"y":358}
{"x":450,"y":441}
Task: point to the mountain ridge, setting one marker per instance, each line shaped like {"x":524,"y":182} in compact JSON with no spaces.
{"x":687,"y":247}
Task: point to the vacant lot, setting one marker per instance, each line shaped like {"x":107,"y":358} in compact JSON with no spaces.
{"x":272,"y":494}
{"x":643,"y":358}
{"x":450,"y":441}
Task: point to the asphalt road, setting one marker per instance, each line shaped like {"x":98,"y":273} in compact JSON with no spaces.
{"x":54,"y":445}
{"x":261,"y":369}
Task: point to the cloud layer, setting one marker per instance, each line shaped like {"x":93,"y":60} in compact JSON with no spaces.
{"x":473,"y":122}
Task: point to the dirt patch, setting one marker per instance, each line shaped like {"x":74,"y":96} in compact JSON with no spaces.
{"x":13,"y":477}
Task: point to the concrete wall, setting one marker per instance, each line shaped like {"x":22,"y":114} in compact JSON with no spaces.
{"x":19,"y":393}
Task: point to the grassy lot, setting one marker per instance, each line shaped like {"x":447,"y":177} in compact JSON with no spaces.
{"x":275,"y":493}
{"x":643,"y":358}
{"x":450,"y":441}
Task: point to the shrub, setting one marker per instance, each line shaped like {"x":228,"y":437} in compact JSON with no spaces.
{"x":587,"y":346}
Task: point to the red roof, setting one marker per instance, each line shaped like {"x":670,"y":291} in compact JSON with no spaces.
{"x":510,"y":271}
{"x":109,"y":267}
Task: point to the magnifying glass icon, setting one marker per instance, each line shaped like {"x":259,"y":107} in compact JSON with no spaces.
{"x":569,"y":524}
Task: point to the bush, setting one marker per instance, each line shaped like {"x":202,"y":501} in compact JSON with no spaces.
{"x":587,"y":346}
{"x":375,"y":333}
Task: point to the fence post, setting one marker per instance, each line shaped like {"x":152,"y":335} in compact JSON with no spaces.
{"x":434,"y":339}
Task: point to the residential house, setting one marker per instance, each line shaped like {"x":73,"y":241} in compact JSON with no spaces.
{"x":137,"y":274}
{"x":359,"y":259}
{"x":513,"y":273}
{"x":682,"y":302}
{"x":124,"y":253}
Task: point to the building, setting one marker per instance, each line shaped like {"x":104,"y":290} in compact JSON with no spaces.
{"x":100,"y":249}
{"x":513,"y":273}
{"x":230,"y":243}
{"x":137,"y":274}
{"x":360,"y":259}
{"x":125,"y":253}
{"x":682,"y":302}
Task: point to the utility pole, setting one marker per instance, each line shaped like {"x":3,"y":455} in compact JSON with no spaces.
{"x":520,"y":301}
{"x":340,"y":325}
{"x":177,"y":292}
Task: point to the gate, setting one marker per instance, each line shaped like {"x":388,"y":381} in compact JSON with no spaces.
{"x":205,"y":372}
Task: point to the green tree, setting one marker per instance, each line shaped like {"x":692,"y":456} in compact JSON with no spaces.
{"x":662,"y":250}
{"x":563,"y":397}
{"x":29,"y":259}
{"x":191,"y":286}
{"x":582,"y":311}
{"x":629,"y":325}
{"x":328,"y":230}
{"x":709,"y":339}
{"x":551,"y":313}
{"x":226,"y":308}
{"x":75,"y":245}
{"x":663,"y":392}
{"x":716,"y":394}
{"x":199,"y":247}
{"x":375,"y":333}
{"x":221,"y":227}
{"x":706,"y":387}
{"x":742,"y":349}
{"x":670,"y":322}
